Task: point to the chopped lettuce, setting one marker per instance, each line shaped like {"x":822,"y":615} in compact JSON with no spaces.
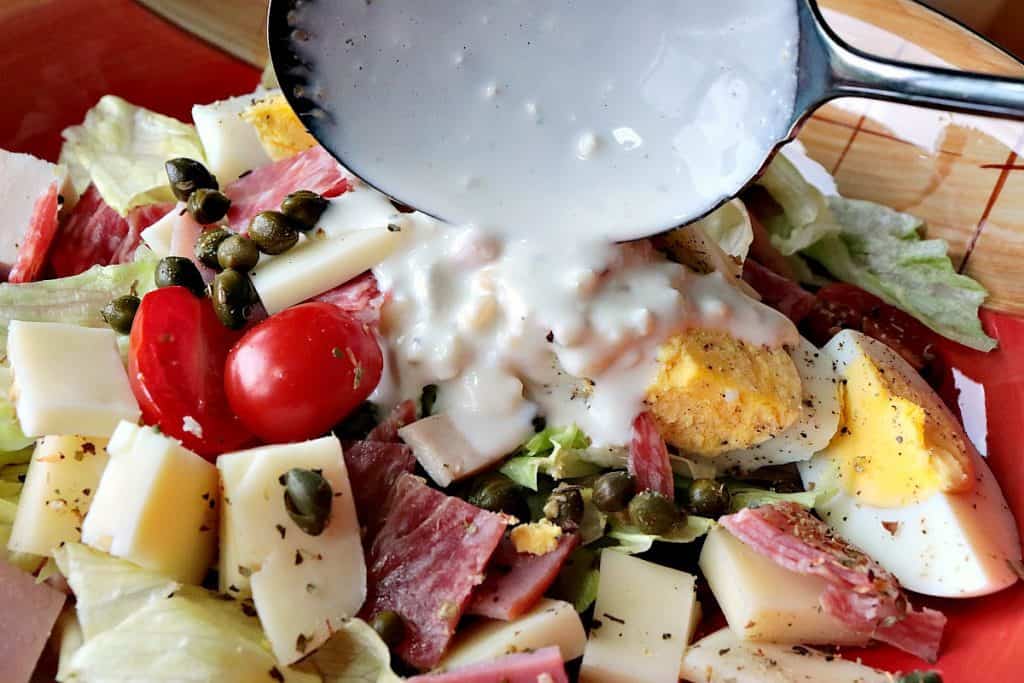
{"x":13,"y":441}
{"x":556,"y":451}
{"x":354,"y":654}
{"x":730,"y":227}
{"x":13,"y":466}
{"x":578,"y":579}
{"x":632,"y":541}
{"x":743,"y":495}
{"x":121,"y":149}
{"x":805,"y":218}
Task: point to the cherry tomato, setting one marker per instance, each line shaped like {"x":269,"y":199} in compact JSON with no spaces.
{"x":298,"y":373}
{"x":176,"y":368}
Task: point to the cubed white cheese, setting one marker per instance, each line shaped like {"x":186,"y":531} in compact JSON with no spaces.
{"x":317,"y":265}
{"x":25,"y":179}
{"x":62,"y":478}
{"x":358,"y":209}
{"x":158,"y":236}
{"x":303,"y":586}
{"x":230,"y":144}
{"x":155,"y":505}
{"x":442,"y":449}
{"x":642,"y":620}
{"x":550,"y":622}
{"x":723,"y":658}
{"x":68,"y":379}
{"x":765,"y":602}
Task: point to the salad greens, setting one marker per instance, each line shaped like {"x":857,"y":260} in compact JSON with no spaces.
{"x":354,"y":654}
{"x":743,"y":495}
{"x":577,"y":582}
{"x":730,"y":227}
{"x":556,"y":452}
{"x":632,"y":541}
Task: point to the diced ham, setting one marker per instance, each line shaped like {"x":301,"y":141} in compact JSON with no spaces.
{"x":516,"y":581}
{"x":139,"y":218}
{"x":183,"y":242}
{"x":429,"y":554}
{"x":28,"y":614}
{"x":91,"y":235}
{"x":358,"y":297}
{"x":404,"y":413}
{"x":648,"y":458}
{"x":265,"y":188}
{"x":860,"y":593}
{"x":373,"y":467}
{"x":36,"y":243}
{"x":784,"y":295}
{"x":540,"y":666}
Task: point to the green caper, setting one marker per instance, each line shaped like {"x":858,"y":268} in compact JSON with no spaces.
{"x":208,"y":206}
{"x":708,"y":498}
{"x":498,"y":493}
{"x":613,"y":491}
{"x":389,"y":627}
{"x":207,"y":244}
{"x":188,"y":175}
{"x":304,"y":208}
{"x":307,"y":498}
{"x":180,"y":271}
{"x":120,"y":313}
{"x":273,"y":232}
{"x":233,"y":298}
{"x":920,"y":677}
{"x":239,"y":253}
{"x":564,"y":507}
{"x":653,"y":513}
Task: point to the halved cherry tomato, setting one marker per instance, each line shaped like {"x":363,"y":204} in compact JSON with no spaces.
{"x":176,"y":367}
{"x":298,"y":373}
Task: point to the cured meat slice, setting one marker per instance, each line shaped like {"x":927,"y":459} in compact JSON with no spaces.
{"x":782,"y":294}
{"x":29,"y":612}
{"x":358,"y":297}
{"x":648,"y":458}
{"x":861,"y":593}
{"x":139,"y":218}
{"x":35,"y":245}
{"x":373,"y":467}
{"x":91,"y":235}
{"x":404,"y":413}
{"x":540,"y":666}
{"x":429,"y":554}
{"x":516,"y":581}
{"x":266,"y":187}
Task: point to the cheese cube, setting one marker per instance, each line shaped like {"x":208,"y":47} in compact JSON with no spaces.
{"x":230,"y":143}
{"x":765,"y":602}
{"x":303,"y":586}
{"x":155,"y":505}
{"x":550,"y":622}
{"x":442,"y":450}
{"x":62,"y":478}
{"x":25,"y":180}
{"x":68,"y":379}
{"x":641,"y":625}
{"x":158,"y":236}
{"x":317,"y":265}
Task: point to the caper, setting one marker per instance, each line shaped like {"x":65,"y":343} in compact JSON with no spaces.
{"x":307,"y":498}
{"x":207,"y":244}
{"x":180,"y":271}
{"x":564,"y":507}
{"x":239,"y":253}
{"x":653,"y":513}
{"x":273,"y":232}
{"x":920,"y":677}
{"x":304,"y":208}
{"x":389,"y":627}
{"x":613,"y":491}
{"x":208,"y":206}
{"x":188,"y":175}
{"x":120,"y":313}
{"x":708,"y":498}
{"x":233,"y":298}
{"x":498,"y":493}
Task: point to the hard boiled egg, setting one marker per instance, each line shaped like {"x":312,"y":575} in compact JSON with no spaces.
{"x":909,"y":487}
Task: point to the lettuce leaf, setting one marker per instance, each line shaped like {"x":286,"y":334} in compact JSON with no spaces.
{"x":13,"y":441}
{"x":556,"y":451}
{"x":632,"y":541}
{"x":578,"y":579}
{"x":730,"y":227}
{"x":354,"y":654}
{"x":13,"y":466}
{"x":743,"y":495}
{"x":806,"y":217}
{"x":121,"y":149}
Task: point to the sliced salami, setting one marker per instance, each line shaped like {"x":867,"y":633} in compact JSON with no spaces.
{"x":139,"y":218}
{"x":404,"y":413}
{"x":358,"y":297}
{"x":373,"y":467}
{"x":648,"y":458}
{"x":426,"y":560}
{"x":91,"y":235}
{"x":540,"y":666}
{"x":784,"y":295}
{"x":36,"y":243}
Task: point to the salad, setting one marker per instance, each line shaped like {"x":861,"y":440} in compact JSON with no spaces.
{"x":263,"y":424}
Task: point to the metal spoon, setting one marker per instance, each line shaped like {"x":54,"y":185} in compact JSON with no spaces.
{"x":828,"y":68}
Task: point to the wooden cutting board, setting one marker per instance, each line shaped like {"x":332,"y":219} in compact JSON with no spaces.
{"x":236,"y":26}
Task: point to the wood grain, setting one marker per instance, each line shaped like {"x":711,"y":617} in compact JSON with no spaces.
{"x":236,"y":26}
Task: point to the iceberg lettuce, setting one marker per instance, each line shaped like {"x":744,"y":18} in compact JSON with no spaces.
{"x":555,"y":451}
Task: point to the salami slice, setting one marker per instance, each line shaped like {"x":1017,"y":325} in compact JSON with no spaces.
{"x":430,"y":553}
{"x":139,"y":218}
{"x":516,"y":581}
{"x":782,"y":294}
{"x":404,"y":413}
{"x":36,"y":243}
{"x":648,"y":458}
{"x":358,"y":297}
{"x":540,"y":666}
{"x":266,"y":187}
{"x":373,"y":467}
{"x":91,"y":235}
{"x":861,"y":593}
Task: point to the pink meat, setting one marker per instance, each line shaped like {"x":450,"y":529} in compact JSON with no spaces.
{"x":265,"y":188}
{"x":139,"y":218}
{"x":784,"y":295}
{"x":91,"y":235}
{"x":516,"y":581}
{"x":373,"y":467}
{"x":404,"y":413}
{"x":648,"y":458}
{"x":861,"y":593}
{"x":358,"y":297}
{"x":429,"y":554}
{"x":37,"y":240}
{"x":525,"y":667}
{"x":29,"y":611}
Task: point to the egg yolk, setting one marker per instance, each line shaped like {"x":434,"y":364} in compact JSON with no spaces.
{"x":892,"y":451}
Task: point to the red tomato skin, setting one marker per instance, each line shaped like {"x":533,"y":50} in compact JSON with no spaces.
{"x":177,"y":351}
{"x":298,"y":373}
